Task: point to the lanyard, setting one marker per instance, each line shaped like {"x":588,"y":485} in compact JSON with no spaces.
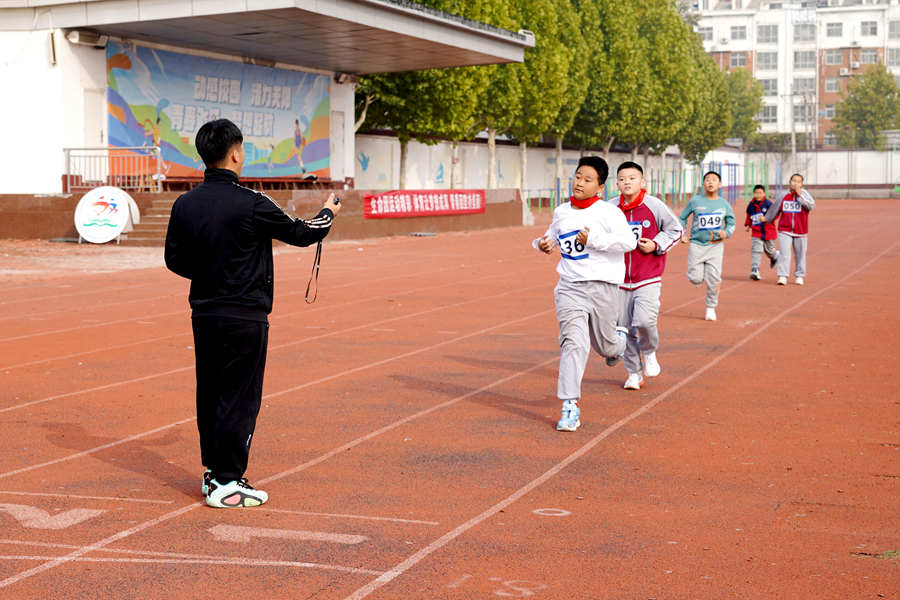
{"x":314,"y":275}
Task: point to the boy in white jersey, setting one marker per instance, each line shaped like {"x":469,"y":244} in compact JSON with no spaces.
{"x":593,"y":237}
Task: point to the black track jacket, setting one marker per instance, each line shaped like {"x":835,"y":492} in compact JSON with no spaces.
{"x":220,"y":237}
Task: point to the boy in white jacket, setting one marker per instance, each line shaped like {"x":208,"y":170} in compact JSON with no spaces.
{"x":593,"y":237}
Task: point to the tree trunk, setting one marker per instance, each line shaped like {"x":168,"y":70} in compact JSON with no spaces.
{"x":634,"y":151}
{"x":607,"y":146}
{"x":647,"y":158}
{"x":523,"y":159}
{"x":492,"y":158}
{"x":663,"y":176}
{"x":404,"y":151}
{"x":559,"y":163}
{"x":454,"y":161}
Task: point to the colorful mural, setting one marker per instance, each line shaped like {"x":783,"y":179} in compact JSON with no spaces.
{"x":162,"y":98}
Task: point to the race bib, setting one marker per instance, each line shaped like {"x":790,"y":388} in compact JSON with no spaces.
{"x":569,"y":247}
{"x":709,"y":222}
{"x":791,"y":206}
{"x":637,"y":229}
{"x":756,"y":218}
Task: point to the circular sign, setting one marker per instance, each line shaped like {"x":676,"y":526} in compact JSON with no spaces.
{"x":102,"y":214}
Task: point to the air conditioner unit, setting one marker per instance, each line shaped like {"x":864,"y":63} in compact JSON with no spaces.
{"x":723,"y":41}
{"x":854,"y":43}
{"x":845,"y":72}
{"x":854,"y":65}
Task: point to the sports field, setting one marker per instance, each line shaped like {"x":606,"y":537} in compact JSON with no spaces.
{"x":407,"y":437}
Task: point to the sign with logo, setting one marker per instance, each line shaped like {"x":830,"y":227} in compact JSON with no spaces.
{"x":423,"y":203}
{"x":102,"y":214}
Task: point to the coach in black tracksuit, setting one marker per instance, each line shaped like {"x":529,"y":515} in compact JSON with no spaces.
{"x":220,"y":237}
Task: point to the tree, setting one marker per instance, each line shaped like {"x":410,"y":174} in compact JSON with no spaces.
{"x":746,"y":95}
{"x":575,"y":28}
{"x":543,"y":77}
{"x":708,"y":125}
{"x":870,"y":105}
{"x":617,"y":73}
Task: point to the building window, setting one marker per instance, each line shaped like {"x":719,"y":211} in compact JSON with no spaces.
{"x":869,"y":28}
{"x":894,"y":30}
{"x":829,"y":111}
{"x":806,"y":85}
{"x":805,"y":32}
{"x":834,"y":29}
{"x":805,"y":59}
{"x":803,"y":109}
{"x":768,"y":34}
{"x":739,"y":33}
{"x":775,"y":6}
{"x":770,"y":87}
{"x":766,"y":60}
{"x":706,"y":33}
{"x":769,"y":114}
{"x":834,"y":57}
{"x":897,"y":80}
{"x":868,"y":56}
{"x":832,"y":84}
{"x":894,"y":57}
{"x":738,"y":59}
{"x":830,"y":139}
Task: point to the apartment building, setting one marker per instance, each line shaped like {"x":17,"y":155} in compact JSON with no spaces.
{"x":802,"y":52}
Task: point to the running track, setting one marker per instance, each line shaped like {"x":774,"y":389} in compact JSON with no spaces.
{"x":407,"y":435}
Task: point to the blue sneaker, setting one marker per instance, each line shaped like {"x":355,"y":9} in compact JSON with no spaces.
{"x":569,"y":420}
{"x":622,"y":333}
{"x":204,"y":484}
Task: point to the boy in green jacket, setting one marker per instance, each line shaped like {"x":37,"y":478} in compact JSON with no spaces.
{"x":713,"y":222}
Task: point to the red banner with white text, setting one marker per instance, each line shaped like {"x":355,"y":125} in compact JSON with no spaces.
{"x":423,"y":203}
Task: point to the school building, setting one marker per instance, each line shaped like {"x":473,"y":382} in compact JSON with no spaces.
{"x":802,"y":52}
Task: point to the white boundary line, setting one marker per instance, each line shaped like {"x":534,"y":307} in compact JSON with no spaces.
{"x":338,"y":516}
{"x":110,"y":498}
{"x":458,"y":531}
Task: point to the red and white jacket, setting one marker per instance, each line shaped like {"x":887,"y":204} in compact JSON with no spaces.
{"x":648,"y":217}
{"x":794,"y":210}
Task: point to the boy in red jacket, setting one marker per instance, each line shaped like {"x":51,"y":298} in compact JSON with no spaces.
{"x":792,"y":229}
{"x":764,"y":234}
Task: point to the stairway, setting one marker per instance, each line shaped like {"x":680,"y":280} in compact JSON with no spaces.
{"x":151,"y":231}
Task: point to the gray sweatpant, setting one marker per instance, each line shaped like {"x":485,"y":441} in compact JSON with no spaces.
{"x":757,"y":247}
{"x":705,"y":264}
{"x":587,"y":312}
{"x":785,"y":243}
{"x":638,"y":312}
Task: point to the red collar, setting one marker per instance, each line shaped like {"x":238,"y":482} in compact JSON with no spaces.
{"x":583,"y":203}
{"x":634,"y":203}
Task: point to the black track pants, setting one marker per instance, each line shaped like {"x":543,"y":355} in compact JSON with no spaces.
{"x":231,"y":363}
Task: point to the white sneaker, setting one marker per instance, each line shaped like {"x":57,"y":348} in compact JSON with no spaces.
{"x":710,"y":314}
{"x":799,"y":281}
{"x":635,"y":381}
{"x":754,"y":275}
{"x":782,"y":281}
{"x":651,"y":367}
{"x":235,"y":494}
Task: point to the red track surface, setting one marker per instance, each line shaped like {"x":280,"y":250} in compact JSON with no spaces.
{"x":413,"y":407}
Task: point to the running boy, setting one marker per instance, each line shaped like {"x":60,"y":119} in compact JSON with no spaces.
{"x":656,"y":230}
{"x":713,"y":222}
{"x":592,"y":238}
{"x":792,"y":229}
{"x":764,"y":234}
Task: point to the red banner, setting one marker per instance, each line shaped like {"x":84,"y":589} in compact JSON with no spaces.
{"x":423,"y":203}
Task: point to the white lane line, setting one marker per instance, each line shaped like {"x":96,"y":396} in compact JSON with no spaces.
{"x":342,"y":516}
{"x":115,"y":289}
{"x":110,"y":498}
{"x":245,"y":562}
{"x":63,"y":311}
{"x":100,"y":545}
{"x":94,"y":351}
{"x":413,"y":560}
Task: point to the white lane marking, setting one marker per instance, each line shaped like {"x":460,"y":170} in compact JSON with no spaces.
{"x":100,"y":545}
{"x":33,"y":517}
{"x":110,"y":498}
{"x":342,"y":516}
{"x":94,"y":351}
{"x":242,"y":535}
{"x":413,"y":560}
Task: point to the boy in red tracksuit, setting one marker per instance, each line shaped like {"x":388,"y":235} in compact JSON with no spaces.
{"x":792,"y":229}
{"x":764,"y":234}
{"x":657,"y":230}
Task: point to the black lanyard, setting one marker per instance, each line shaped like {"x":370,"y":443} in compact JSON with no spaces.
{"x":314,"y":275}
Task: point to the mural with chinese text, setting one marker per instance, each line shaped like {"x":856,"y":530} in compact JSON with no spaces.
{"x":162,"y":98}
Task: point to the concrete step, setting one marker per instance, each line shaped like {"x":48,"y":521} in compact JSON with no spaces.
{"x":142,"y":241}
{"x":138,"y":231}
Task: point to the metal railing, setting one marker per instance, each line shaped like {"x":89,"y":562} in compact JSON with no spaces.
{"x":129,"y":168}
